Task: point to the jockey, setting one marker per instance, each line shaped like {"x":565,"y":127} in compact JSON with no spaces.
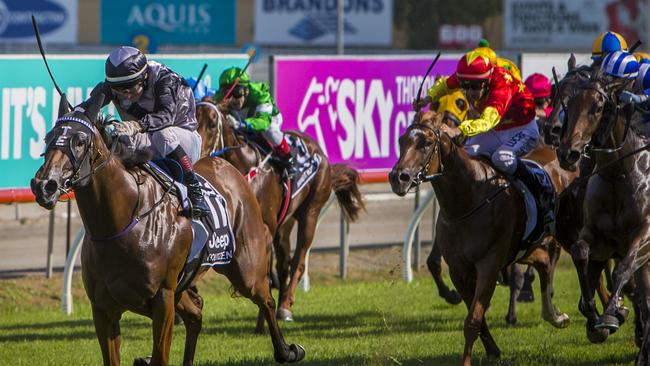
{"x":540,"y":87}
{"x":605,"y":43}
{"x":201,"y":91}
{"x":157,"y":111}
{"x":642,"y":57}
{"x":253,"y":103}
{"x":506,"y":128}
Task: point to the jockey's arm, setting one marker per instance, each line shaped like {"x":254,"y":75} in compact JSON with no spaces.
{"x":443,"y":86}
{"x":164,"y":107}
{"x":101,"y":87}
{"x":487,"y":120}
{"x":262,"y":119}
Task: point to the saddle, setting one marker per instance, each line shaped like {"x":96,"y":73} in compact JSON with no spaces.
{"x":213,"y":242}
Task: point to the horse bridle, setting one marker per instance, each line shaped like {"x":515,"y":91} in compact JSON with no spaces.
{"x":63,"y":143}
{"x":422,"y":176}
{"x":219,"y":137}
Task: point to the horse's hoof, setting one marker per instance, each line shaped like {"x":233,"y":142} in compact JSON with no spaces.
{"x":526,"y":296}
{"x":284,"y":315}
{"x":621,"y":314}
{"x":609,"y":322}
{"x":561,"y":321}
{"x":142,"y":361}
{"x":511,"y":320}
{"x":295,"y":353}
{"x":451,"y":297}
{"x":597,"y":335}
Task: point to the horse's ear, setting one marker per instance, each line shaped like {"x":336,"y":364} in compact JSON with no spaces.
{"x":64,"y":106}
{"x":572,"y":62}
{"x":95,"y":103}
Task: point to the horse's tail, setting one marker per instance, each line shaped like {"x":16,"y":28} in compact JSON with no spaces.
{"x":345,"y":183}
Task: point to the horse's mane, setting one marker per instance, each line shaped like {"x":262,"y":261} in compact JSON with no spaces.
{"x":122,"y":149}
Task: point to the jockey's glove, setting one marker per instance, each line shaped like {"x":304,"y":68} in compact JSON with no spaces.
{"x":128,"y":128}
{"x":629,"y":97}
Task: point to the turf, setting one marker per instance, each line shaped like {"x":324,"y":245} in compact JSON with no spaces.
{"x":376,"y":320}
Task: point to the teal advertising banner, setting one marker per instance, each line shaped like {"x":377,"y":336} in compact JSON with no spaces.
{"x":29,"y":102}
{"x":147,"y":23}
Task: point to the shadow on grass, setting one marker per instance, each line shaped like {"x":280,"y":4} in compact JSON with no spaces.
{"x":49,"y":325}
{"x":57,"y":336}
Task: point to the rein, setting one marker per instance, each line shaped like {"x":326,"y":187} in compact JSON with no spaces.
{"x":70,"y":184}
{"x":423,"y":177}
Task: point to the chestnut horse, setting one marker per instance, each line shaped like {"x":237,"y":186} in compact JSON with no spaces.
{"x":137,"y":241}
{"x":480,"y":225}
{"x":617,"y":203}
{"x":216,"y":129}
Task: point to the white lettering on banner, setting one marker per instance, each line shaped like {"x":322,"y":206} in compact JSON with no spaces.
{"x":6,"y":112}
{"x":184,"y":18}
{"x":36,"y":98}
{"x":355,"y":110}
{"x":407,"y":87}
{"x":18,"y":102}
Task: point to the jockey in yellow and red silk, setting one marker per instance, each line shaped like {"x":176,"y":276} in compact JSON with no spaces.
{"x":506,"y":128}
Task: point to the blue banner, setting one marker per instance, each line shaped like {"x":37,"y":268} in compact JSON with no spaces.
{"x":28,"y":101}
{"x":147,"y":23}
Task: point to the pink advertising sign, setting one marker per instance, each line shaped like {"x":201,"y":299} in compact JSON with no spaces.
{"x":354,"y":107}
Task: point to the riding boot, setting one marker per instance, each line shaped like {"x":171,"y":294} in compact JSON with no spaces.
{"x":285,"y":157}
{"x":544,"y":195}
{"x":199,"y":206}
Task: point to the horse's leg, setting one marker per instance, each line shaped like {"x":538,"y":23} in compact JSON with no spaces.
{"x":107,"y":330}
{"x":586,"y":304}
{"x":642,"y":302}
{"x":189,"y":308}
{"x":486,"y":280}
{"x":306,"y":231}
{"x":516,"y":278}
{"x":623,"y":270}
{"x":254,"y":284}
{"x":526,"y":294}
{"x":603,"y":293}
{"x":162,"y":306}
{"x":542,"y":262}
{"x":434,"y":263}
{"x":282,"y":243}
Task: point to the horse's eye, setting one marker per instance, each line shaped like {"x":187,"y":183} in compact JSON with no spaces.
{"x":460,"y":103}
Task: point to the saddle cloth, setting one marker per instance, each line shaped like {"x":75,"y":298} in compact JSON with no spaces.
{"x":213,"y":241}
{"x":307,"y":165}
{"x":534,"y":221}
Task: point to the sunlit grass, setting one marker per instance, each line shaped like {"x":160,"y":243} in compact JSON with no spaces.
{"x":371,"y":322}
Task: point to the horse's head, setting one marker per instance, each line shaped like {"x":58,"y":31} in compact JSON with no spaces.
{"x":564,"y":90}
{"x":68,"y":152}
{"x":420,"y":149}
{"x":590,"y":115}
{"x":212,"y":125}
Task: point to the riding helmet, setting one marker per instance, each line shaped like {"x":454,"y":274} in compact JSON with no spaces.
{"x":228,"y":77}
{"x":538,"y":85}
{"x":474,"y":66}
{"x":125,"y":67}
{"x":605,"y":43}
{"x":621,"y":64}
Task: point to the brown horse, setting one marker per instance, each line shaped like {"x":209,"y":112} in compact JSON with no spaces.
{"x":137,"y":242}
{"x":616,"y":207}
{"x":215,"y":127}
{"x":480,"y":226}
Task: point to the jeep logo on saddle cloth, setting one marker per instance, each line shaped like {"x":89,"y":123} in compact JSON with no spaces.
{"x":57,"y":20}
{"x":355,"y":108}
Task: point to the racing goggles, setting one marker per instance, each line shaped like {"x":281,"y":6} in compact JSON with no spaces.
{"x":238,"y":91}
{"x":473,"y":84}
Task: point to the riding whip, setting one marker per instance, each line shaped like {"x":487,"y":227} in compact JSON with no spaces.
{"x":250,"y":59}
{"x":635,"y":46}
{"x":205,"y":66}
{"x":47,"y":66}
{"x":425,"y":77}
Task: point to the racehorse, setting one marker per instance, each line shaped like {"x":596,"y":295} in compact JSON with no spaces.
{"x":216,"y":129}
{"x":480,"y":225}
{"x":137,"y":243}
{"x":543,"y":155}
{"x":616,"y":207}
